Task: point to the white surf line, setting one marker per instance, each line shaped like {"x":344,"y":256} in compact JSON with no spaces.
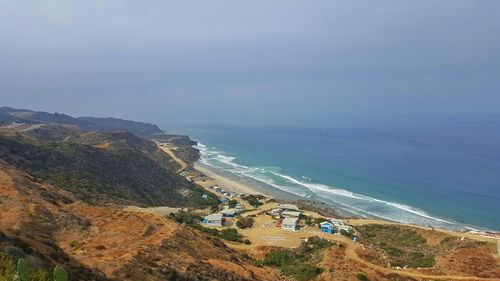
{"x":245,"y":171}
{"x":346,"y":193}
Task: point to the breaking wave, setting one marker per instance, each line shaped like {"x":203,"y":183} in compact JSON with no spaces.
{"x":347,"y":201}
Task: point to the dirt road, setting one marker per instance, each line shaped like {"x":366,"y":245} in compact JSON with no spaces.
{"x":170,"y":153}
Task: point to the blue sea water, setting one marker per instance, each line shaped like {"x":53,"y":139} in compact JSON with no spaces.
{"x":443,"y":175}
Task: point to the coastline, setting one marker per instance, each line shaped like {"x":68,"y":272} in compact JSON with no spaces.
{"x":238,"y":186}
{"x":226,"y":182}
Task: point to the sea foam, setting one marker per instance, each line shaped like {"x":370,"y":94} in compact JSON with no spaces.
{"x":357,"y":204}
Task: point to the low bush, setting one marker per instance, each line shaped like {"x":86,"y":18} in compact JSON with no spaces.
{"x":253,"y":200}
{"x":393,"y":251}
{"x":8,"y":270}
{"x":362,"y":277}
{"x":403,"y":245}
{"x":229,"y":234}
{"x":301,"y":272}
{"x":232,"y":203}
{"x":185,"y":217}
{"x":245,"y":222}
{"x":280,"y":258}
{"x":317,"y":221}
{"x":346,"y":233}
{"x":296,"y":263}
{"x":423,"y":262}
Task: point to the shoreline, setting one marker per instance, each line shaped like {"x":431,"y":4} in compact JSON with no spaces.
{"x":238,"y":186}
{"x":226,"y":182}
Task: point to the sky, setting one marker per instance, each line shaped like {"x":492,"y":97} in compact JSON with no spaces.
{"x":250,"y":61}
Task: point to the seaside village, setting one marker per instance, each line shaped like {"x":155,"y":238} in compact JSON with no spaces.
{"x":254,"y":218}
{"x":260,"y":220}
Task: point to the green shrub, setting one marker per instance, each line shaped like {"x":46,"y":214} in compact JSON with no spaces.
{"x":317,"y":243}
{"x":393,"y":251}
{"x":403,"y":245}
{"x":301,"y":272}
{"x":253,"y":200}
{"x":232,"y":203}
{"x":296,"y":263}
{"x":8,"y":268}
{"x":423,"y":262}
{"x":402,"y":236}
{"x":346,"y":233}
{"x":185,"y":217}
{"x":60,"y":274}
{"x":362,"y":277}
{"x":245,"y":222}
{"x":229,"y":234}
{"x":317,"y":221}
{"x":279,"y":258}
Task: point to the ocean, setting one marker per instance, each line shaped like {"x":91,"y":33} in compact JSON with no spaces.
{"x":441,"y":175}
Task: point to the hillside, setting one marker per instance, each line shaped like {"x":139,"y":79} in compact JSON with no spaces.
{"x":101,"y":167}
{"x":8,"y":114}
{"x":46,"y":226}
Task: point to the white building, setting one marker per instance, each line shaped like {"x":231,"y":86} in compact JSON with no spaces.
{"x":291,"y":214}
{"x":229,"y":212}
{"x":289,"y":224}
{"x":288,"y":207}
{"x":213,"y":220}
{"x":341,"y":225}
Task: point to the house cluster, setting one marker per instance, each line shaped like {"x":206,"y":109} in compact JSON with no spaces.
{"x":226,"y":194}
{"x":217,"y":219}
{"x":335,"y":225}
{"x":232,"y":212}
{"x":287,"y":214}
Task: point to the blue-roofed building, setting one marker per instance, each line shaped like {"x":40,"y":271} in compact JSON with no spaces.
{"x":213,"y":220}
{"x":327,"y":227}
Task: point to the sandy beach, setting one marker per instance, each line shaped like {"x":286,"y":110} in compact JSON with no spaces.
{"x":224,"y":182}
{"x":242,"y":187}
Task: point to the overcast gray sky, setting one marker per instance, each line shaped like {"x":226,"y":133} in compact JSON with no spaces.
{"x":250,"y":61}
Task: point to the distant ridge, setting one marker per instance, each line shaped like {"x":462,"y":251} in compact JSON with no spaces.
{"x":9,"y":114}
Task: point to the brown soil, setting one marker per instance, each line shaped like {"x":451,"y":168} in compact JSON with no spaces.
{"x":48,"y":226}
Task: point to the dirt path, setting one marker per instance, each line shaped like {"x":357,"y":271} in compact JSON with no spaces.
{"x":170,"y":153}
{"x":264,"y":233}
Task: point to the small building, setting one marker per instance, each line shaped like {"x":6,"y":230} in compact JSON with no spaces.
{"x":213,"y":220}
{"x":291,"y":214}
{"x":229,"y":212}
{"x":327,"y":227}
{"x":223,"y":200}
{"x":288,"y":207}
{"x":289,"y":224}
{"x":341,"y":225}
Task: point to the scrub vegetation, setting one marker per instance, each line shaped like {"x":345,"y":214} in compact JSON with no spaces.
{"x":403,"y":246}
{"x":299,"y":263}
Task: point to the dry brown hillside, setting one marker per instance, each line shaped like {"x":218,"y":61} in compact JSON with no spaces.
{"x":47,"y":226}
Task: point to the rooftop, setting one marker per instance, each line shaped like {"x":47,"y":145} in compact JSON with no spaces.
{"x":288,"y":207}
{"x":292,"y":213}
{"x":290,"y":221}
{"x":214,"y":217}
{"x":229,"y":211}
